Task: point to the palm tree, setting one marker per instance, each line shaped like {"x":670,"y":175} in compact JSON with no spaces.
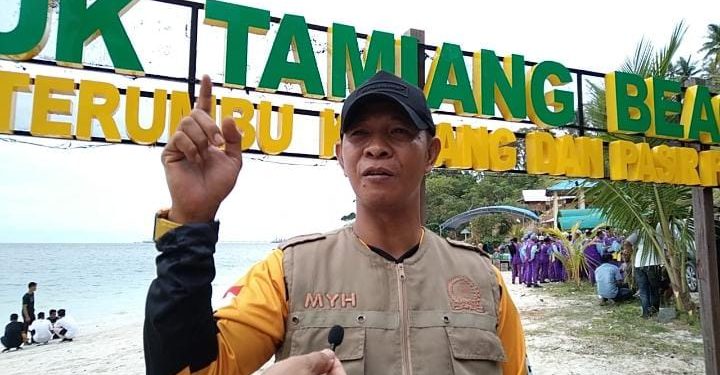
{"x":684,"y":69}
{"x":661,"y":213}
{"x":712,"y":45}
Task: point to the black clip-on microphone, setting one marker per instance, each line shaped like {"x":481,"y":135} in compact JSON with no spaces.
{"x":335,"y":337}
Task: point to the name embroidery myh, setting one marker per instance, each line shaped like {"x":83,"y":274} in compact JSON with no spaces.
{"x":330,"y":300}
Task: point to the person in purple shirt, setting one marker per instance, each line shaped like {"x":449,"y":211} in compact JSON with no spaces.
{"x":543,"y":259}
{"x":531,"y":252}
{"x":556,"y":265}
{"x":524,"y":256}
{"x":593,"y":252}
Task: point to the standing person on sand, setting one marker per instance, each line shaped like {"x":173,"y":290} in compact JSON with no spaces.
{"x":28,"y":307}
{"x":397,"y":288}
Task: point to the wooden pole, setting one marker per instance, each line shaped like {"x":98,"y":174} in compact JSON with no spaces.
{"x":708,"y":268}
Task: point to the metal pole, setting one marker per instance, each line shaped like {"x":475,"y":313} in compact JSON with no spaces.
{"x":420,"y":36}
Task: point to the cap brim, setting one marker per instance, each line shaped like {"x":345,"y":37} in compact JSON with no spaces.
{"x":352,"y":112}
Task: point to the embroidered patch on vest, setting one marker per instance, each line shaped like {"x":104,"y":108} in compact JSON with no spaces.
{"x":464,"y":295}
{"x":330,"y":300}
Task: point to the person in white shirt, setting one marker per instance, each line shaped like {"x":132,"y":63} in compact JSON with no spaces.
{"x":66,"y":327}
{"x":647,"y":275}
{"x":41,"y":329}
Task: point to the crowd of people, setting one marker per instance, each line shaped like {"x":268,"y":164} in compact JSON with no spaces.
{"x":608,"y":261}
{"x":37,"y":329}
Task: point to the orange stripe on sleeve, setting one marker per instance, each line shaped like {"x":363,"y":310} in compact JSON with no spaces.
{"x":252,"y":326}
{"x":511,"y":332}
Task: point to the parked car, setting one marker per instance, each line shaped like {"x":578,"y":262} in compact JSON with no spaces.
{"x":691,"y":277}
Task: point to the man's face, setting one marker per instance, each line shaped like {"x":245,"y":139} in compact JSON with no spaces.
{"x":33,"y":288}
{"x":385,"y":156}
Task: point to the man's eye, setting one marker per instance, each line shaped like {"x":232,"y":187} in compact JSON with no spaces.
{"x":358,"y":132}
{"x":402,"y":132}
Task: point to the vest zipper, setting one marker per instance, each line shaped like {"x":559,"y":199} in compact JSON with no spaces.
{"x":404,"y":326}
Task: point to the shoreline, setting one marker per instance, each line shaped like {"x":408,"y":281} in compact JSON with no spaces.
{"x":552,"y":348}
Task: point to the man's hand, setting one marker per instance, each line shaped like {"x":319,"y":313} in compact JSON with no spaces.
{"x":315,"y":363}
{"x":199,"y":173}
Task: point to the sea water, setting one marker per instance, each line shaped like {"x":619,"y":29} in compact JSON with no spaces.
{"x":102,"y":285}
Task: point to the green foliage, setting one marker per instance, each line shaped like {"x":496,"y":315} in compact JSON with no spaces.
{"x":450,"y":192}
{"x":661,"y":213}
{"x":574,"y":261}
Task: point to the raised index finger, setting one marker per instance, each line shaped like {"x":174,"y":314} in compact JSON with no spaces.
{"x":204,"y":100}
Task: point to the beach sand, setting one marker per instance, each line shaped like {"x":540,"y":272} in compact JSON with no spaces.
{"x":116,"y":351}
{"x":119,"y":350}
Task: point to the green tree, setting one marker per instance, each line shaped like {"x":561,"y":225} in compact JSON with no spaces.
{"x":661,"y":213}
{"x":711,"y":47}
{"x":451,"y":192}
{"x":684,"y":69}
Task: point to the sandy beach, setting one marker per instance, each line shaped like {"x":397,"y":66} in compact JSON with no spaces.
{"x":554,"y":351}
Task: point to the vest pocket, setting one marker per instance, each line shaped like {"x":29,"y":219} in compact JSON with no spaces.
{"x":475,"y":351}
{"x":351,"y":352}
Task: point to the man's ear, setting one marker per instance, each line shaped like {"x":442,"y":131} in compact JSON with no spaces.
{"x":433,"y":153}
{"x":338,"y":154}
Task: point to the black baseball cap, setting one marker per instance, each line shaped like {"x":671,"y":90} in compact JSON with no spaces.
{"x":388,"y":86}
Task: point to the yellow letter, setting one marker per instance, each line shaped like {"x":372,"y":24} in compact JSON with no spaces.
{"x":474,"y":147}
{"x":229,"y":107}
{"x":664,"y":158}
{"x":591,"y":156}
{"x":10,"y":82}
{"x":89,"y":110}
{"x":502,"y":157}
{"x":709,"y":167}
{"x":687,"y":162}
{"x":135,"y":131}
{"x":646,"y":165}
{"x":450,"y":152}
{"x":266,"y":142}
{"x":541,"y":154}
{"x":329,"y":133}
{"x":623,"y":161}
{"x":44,"y":104}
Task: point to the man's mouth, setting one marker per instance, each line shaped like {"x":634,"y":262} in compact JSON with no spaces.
{"x":380,"y":172}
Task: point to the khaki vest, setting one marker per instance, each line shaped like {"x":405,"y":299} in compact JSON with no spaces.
{"x":434,"y":314}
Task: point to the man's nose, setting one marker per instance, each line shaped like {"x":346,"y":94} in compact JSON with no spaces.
{"x":378,"y":148}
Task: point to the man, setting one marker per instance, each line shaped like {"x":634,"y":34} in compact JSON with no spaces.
{"x":558,"y":252}
{"x":593,"y":252}
{"x":397,"y":289}
{"x":515,"y":261}
{"x":65,"y":327}
{"x":28,"y":306}
{"x":14,"y":334}
{"x":41,"y":329}
{"x":609,"y":282}
{"x":530,"y":262}
{"x":53,"y":316}
{"x":647,"y":275}
{"x":543,"y":259}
